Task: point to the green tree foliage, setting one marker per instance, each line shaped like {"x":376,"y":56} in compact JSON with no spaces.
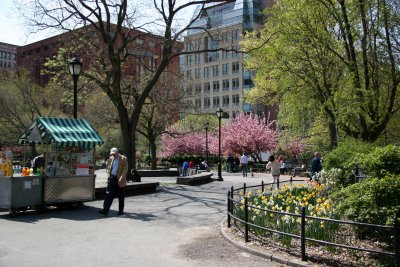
{"x":21,"y":101}
{"x":331,"y":59}
{"x":370,"y":201}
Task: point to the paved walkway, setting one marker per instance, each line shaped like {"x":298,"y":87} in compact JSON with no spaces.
{"x":177,"y":226}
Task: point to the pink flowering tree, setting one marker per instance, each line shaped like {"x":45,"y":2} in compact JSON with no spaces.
{"x":246,"y":133}
{"x":179,"y":144}
{"x":295,"y":147}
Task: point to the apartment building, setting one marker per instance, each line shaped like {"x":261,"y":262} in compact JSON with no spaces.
{"x":8,"y":56}
{"x":218,"y":78}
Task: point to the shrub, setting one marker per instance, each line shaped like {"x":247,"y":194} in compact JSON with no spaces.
{"x":374,"y":201}
{"x":343,"y":155}
{"x":380,"y":162}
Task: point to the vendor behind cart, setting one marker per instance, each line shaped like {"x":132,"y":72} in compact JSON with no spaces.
{"x":38,"y":163}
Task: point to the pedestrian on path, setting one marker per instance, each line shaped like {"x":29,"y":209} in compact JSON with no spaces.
{"x":275,"y":168}
{"x":244,"y":162}
{"x":117,"y":169}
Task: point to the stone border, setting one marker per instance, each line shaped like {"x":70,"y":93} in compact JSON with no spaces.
{"x":269,"y":256}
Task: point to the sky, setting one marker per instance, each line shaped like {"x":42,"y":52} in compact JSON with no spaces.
{"x":13,"y":30}
{"x":11,"y":26}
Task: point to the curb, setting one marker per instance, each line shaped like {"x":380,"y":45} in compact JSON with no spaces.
{"x":269,"y":256}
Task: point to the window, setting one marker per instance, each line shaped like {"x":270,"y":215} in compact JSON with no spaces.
{"x":235,"y":35}
{"x":139,"y":41}
{"x":198,"y":44}
{"x":235,"y":54}
{"x":207,"y":87}
{"x":225,"y":101}
{"x":189,"y":74}
{"x":225,"y":54}
{"x":197,"y":59}
{"x":206,"y":72}
{"x":225,"y":69}
{"x":189,"y":90}
{"x":207,"y":103}
{"x":189,"y":60}
{"x":216,"y":86}
{"x":197,"y":103}
{"x":152,"y":44}
{"x":197,"y":73}
{"x":235,"y":84}
{"x":215,"y":71}
{"x":189,"y":46}
{"x":235,"y":100}
{"x":224,"y":37}
{"x":216,"y":102}
{"x":235,"y":67}
{"x":197,"y":89}
{"x":225,"y":85}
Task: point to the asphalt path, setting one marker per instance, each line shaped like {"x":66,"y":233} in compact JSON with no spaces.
{"x":176,"y":226}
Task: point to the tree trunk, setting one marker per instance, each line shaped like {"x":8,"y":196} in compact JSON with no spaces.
{"x":153,"y":149}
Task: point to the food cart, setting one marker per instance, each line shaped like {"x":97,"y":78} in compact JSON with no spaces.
{"x":68,"y":176}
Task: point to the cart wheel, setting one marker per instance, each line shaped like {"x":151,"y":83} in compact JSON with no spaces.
{"x":13,"y":213}
{"x":41,"y":209}
{"x":76,"y":205}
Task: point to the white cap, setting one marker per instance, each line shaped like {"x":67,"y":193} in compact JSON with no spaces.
{"x":113,"y":150}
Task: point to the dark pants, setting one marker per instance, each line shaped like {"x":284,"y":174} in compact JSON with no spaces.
{"x":113,"y":190}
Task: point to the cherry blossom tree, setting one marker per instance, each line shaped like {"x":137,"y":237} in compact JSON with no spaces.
{"x":295,"y":147}
{"x":178,"y":144}
{"x":246,"y":133}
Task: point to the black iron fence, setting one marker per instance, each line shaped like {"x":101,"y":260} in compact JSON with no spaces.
{"x":347,"y":238}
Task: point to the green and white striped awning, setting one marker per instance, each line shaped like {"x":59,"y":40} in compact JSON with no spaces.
{"x":62,"y":132}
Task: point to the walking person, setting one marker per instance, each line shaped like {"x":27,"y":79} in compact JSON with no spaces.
{"x":316,"y":166}
{"x":117,"y":169}
{"x":229,"y":163}
{"x":244,"y":162}
{"x":275,"y":168}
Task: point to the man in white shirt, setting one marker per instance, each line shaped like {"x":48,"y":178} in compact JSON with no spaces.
{"x":244,"y":162}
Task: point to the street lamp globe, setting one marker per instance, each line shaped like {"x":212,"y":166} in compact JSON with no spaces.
{"x":75,"y":68}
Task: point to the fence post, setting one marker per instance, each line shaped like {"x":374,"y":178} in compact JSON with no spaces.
{"x":229,"y":209}
{"x":303,"y":234}
{"x":246,"y":221}
{"x":232,"y":203}
{"x":244,"y":189}
{"x":291,"y":179}
{"x":277,"y":183}
{"x":262,"y":186}
{"x":397,"y":240}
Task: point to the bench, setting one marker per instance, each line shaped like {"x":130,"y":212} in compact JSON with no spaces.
{"x":200,"y":178}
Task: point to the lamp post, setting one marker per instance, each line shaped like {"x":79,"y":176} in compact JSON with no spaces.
{"x":219,"y":115}
{"x":75,"y":67}
{"x":206,"y":125}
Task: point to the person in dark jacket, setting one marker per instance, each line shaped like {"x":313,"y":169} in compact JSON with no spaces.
{"x":316,"y":166}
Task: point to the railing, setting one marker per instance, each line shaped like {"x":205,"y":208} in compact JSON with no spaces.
{"x":340,"y":241}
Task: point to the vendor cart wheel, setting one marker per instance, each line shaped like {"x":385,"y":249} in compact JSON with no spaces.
{"x":76,"y":205}
{"x":13,"y":213}
{"x":41,"y":208}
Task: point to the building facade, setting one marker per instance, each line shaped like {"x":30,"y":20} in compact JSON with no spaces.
{"x":145,"y":50}
{"x":218,"y":78}
{"x":8,"y":56}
